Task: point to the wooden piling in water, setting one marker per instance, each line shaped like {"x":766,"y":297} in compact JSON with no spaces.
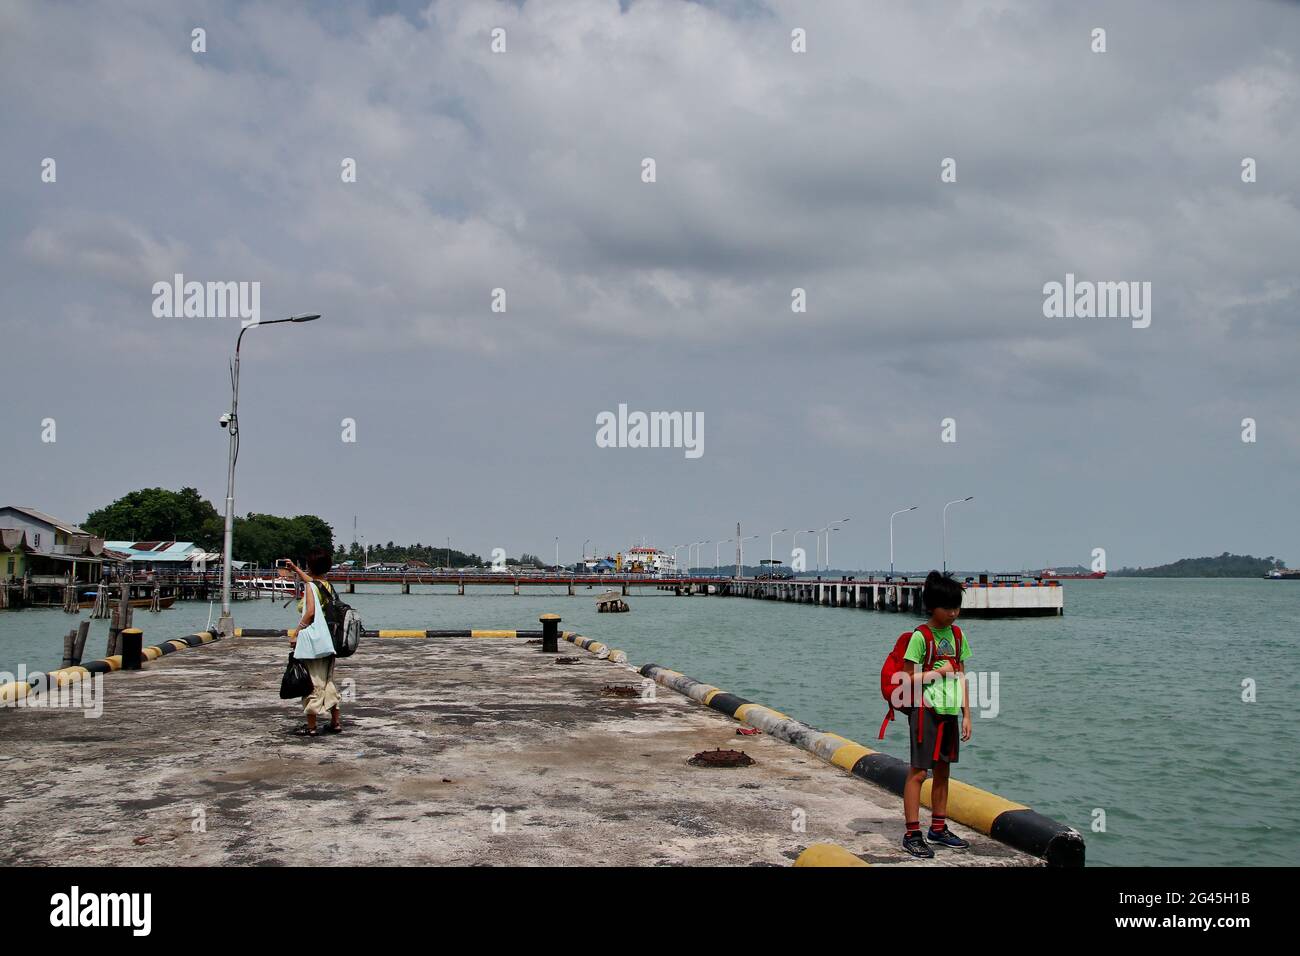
{"x":99,"y":609}
{"x":79,"y":646}
{"x":121,"y":620}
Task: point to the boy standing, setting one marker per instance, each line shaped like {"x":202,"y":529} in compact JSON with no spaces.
{"x":936,"y":660}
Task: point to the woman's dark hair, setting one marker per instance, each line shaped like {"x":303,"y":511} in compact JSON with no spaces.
{"x":319,"y":561}
{"x":941,"y":591}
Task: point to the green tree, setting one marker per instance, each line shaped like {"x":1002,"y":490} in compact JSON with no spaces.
{"x":156,"y":514}
{"x":263,"y":539}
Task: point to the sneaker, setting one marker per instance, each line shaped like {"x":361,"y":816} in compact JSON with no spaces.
{"x":946,"y":837}
{"x":914,"y":844}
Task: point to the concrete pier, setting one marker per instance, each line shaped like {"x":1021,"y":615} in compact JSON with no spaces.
{"x":980,"y":599}
{"x":455,"y":751}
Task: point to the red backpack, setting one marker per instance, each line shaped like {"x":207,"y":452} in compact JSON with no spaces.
{"x":894,"y":665}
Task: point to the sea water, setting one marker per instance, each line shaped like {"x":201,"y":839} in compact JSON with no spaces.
{"x":1157,"y":717}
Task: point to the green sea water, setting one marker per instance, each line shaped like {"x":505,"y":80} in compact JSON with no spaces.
{"x":1130,"y":706}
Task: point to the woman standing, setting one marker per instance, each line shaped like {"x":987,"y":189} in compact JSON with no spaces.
{"x":313,"y":645}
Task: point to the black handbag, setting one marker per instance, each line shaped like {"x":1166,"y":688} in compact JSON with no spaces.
{"x":296,"y":681}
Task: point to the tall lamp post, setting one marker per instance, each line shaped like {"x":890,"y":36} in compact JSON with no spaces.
{"x":794,"y":544}
{"x":230,"y":421}
{"x":771,"y":548}
{"x":740,"y":542}
{"x":697,"y":545}
{"x":891,"y":536}
{"x":945,"y":528}
{"x":717,"y":556}
{"x":829,"y":527}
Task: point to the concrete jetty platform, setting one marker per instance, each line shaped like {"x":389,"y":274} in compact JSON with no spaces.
{"x":456,"y":751}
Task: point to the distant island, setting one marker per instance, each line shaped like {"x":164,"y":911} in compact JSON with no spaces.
{"x":1224,"y":566}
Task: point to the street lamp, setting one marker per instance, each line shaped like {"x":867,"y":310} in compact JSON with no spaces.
{"x":891,"y":536}
{"x":584,"y":552}
{"x":557,"y":551}
{"x":697,"y":546}
{"x":717,"y":556}
{"x":945,"y":529}
{"x":829,"y":531}
{"x":676,"y":548}
{"x":794,"y":544}
{"x":740,"y":543}
{"x":829,"y":527}
{"x":230,"y":422}
{"x":771,"y":548}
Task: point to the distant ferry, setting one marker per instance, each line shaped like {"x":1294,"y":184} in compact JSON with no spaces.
{"x":1049,"y":574}
{"x":1284,"y":574}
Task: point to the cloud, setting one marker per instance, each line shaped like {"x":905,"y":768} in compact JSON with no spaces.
{"x":104,"y":246}
{"x":776,"y":170}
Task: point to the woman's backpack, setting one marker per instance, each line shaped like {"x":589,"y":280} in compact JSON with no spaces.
{"x":344,"y":623}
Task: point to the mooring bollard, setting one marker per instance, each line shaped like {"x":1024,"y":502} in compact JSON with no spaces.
{"x":550,"y":633}
{"x":132,"y":641}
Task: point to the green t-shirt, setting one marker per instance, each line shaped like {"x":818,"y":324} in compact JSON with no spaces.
{"x":944,"y":695}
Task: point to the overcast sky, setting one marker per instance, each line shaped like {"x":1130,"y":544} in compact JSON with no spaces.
{"x":775,"y":170}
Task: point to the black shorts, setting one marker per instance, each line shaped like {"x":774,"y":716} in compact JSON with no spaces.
{"x":950,"y":743}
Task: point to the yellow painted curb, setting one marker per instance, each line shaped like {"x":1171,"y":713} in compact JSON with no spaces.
{"x":828,"y":854}
{"x":67,"y":675}
{"x":14,"y":691}
{"x":849,"y":754}
{"x":972,"y":806}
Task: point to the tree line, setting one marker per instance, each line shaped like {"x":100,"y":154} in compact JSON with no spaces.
{"x":158,"y":514}
{"x":430,"y":554}
{"x":1224,"y":566}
